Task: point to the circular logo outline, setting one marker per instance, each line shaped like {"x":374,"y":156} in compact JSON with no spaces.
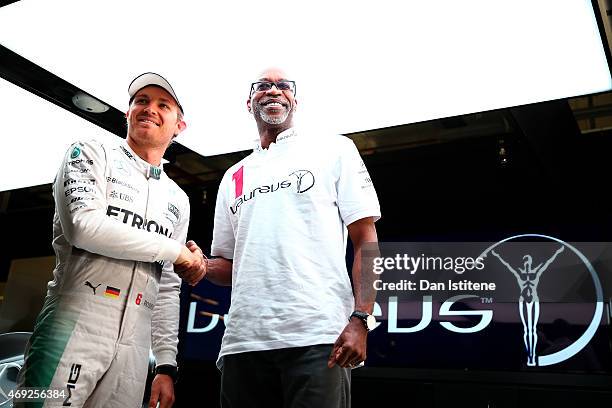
{"x":582,"y":341}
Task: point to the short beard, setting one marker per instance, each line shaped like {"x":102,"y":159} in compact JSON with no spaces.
{"x":271,"y":120}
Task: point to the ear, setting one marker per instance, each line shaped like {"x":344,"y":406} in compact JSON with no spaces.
{"x":295,"y":104}
{"x":249,"y":108}
{"x":180,"y":126}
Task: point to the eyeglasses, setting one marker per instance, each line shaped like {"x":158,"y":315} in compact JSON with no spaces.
{"x":263,"y":86}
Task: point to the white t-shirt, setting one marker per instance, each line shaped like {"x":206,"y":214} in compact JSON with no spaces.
{"x":281,"y":215}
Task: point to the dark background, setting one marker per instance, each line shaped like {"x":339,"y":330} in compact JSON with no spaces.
{"x":551,"y":179}
{"x":541,"y":168}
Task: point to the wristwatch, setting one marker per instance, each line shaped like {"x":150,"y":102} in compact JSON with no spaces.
{"x":167,"y":369}
{"x":368,"y":320}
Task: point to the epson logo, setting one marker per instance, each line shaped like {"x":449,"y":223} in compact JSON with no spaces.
{"x":80,"y":189}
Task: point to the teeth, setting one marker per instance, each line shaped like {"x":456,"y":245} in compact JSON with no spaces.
{"x":275,"y":105}
{"x":148,"y":121}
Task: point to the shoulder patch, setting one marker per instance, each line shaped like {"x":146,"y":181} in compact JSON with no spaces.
{"x":76,"y":152}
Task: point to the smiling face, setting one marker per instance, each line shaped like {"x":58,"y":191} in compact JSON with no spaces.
{"x":153,"y":118}
{"x":272,"y":108}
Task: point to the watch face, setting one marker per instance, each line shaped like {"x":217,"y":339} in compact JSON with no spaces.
{"x":371,"y":322}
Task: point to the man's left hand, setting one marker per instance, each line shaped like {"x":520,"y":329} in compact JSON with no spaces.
{"x":162,"y":391}
{"x":350,"y":348}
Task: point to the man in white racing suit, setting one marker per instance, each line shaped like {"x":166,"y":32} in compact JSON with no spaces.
{"x":119,"y":226}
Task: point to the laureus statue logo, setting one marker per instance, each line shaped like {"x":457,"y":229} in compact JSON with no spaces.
{"x":528,"y":278}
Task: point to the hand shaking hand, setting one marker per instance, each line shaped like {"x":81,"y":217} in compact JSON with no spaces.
{"x":191,"y":265}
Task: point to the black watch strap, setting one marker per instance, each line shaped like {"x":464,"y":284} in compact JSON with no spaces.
{"x":361,"y":316}
{"x":167,"y":369}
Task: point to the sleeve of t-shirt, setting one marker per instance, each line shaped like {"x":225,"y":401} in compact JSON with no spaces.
{"x":223,"y":233}
{"x":357,"y":197}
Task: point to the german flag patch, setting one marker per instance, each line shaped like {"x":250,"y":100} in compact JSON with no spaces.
{"x":112,"y":292}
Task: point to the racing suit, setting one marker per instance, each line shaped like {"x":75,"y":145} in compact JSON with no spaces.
{"x":119,"y":225}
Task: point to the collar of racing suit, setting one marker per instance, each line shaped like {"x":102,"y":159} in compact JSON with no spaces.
{"x":145,"y":167}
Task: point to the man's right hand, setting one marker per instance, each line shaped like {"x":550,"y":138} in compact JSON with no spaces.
{"x":191,"y":265}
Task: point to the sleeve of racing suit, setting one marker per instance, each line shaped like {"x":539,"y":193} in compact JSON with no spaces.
{"x":165,"y":319}
{"x":80,"y":201}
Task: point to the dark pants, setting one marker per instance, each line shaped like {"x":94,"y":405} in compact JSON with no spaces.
{"x":296,"y":377}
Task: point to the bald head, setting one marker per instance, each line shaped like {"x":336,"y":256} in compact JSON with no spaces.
{"x":272,"y":72}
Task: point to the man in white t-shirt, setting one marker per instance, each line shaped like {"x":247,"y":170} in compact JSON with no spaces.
{"x":295,"y":328}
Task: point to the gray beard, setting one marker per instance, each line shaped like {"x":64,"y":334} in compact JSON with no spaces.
{"x":272,"y":120}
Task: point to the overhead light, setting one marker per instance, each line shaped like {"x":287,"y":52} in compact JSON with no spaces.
{"x":44,"y":154}
{"x":365,"y":66}
{"x":88,"y":103}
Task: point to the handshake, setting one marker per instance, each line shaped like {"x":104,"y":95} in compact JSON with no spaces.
{"x":191,"y":264}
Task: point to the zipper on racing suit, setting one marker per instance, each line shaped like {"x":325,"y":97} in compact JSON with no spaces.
{"x":137,"y":265}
